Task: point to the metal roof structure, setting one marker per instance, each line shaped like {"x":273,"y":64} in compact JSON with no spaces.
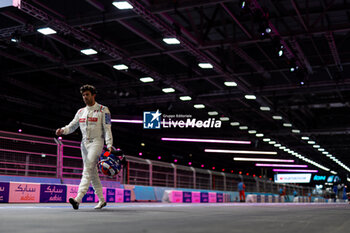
{"x":292,"y":55}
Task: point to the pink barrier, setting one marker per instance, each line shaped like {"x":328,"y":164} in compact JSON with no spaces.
{"x":24,"y":192}
{"x":119,"y":195}
{"x":196,"y":197}
{"x":72,"y":191}
{"x":212,"y":197}
{"x":104,"y":191}
{"x":176,"y":196}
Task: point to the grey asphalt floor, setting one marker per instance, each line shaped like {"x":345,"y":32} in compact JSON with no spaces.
{"x":169,"y":218}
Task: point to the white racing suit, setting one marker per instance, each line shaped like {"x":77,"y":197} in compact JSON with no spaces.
{"x":95,"y":125}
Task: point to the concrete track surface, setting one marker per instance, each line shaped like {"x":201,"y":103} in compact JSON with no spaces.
{"x":169,"y":218}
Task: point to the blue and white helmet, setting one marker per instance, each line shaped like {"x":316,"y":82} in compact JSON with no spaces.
{"x":109,"y":163}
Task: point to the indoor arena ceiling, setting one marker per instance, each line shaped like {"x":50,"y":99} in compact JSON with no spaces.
{"x":306,"y":84}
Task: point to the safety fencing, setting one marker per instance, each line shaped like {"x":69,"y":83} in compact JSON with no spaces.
{"x":36,"y":156}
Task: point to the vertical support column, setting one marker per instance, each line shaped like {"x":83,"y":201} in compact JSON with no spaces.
{"x":59,"y":159}
{"x":223,"y":174}
{"x":210,"y":179}
{"x":271,"y":184}
{"x":194,"y":177}
{"x":150,"y":171}
{"x":257,"y":184}
{"x":27,"y":165}
{"x":175,"y":179}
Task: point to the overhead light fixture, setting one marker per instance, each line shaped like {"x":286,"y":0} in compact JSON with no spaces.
{"x":146,"y":79}
{"x":15,"y":40}
{"x":287,"y":125}
{"x":277,"y":117}
{"x":127,"y":121}
{"x":294,"y":170}
{"x":120,"y":67}
{"x":333,"y":172}
{"x":266,"y":139}
{"x":294,"y":68}
{"x":185,"y":98}
{"x":264,"y":108}
{"x":250,"y":97}
{"x":224,"y":119}
{"x":277,"y":145}
{"x":230,"y":84}
{"x":280,"y":51}
{"x":268,"y":30}
{"x":171,"y":40}
{"x":46,"y":31}
{"x":168,"y":90}
{"x":272,"y":142}
{"x":316,"y":146}
{"x":282,"y":147}
{"x":205,"y":65}
{"x":278,"y":165}
{"x":205,"y":140}
{"x":122,"y":5}
{"x":325,"y":152}
{"x":311,"y":142}
{"x":243,"y":127}
{"x":213,"y":113}
{"x":243,"y":4}
{"x":295,"y":131}
{"x":263,"y":160}
{"x":259,"y":135}
{"x":321,"y":149}
{"x":241,"y":152}
{"x":88,"y":51}
{"x":198,"y":106}
{"x":251,"y":131}
{"x":234,"y":123}
{"x":305,"y":138}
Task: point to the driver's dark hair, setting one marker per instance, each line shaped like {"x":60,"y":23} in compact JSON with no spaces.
{"x":88,"y":87}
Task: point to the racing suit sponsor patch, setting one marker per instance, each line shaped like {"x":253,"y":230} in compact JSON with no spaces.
{"x":108,"y":118}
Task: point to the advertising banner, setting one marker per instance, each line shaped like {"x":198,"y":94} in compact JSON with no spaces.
{"x":204,"y":197}
{"x":127,"y":195}
{"x":89,"y":196}
{"x":219,"y":197}
{"x":110,"y":194}
{"x":212,"y":197}
{"x":53,"y":193}
{"x":119,"y":195}
{"x":196,"y":197}
{"x":24,"y":192}
{"x":187,"y":197}
{"x":4,"y":192}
